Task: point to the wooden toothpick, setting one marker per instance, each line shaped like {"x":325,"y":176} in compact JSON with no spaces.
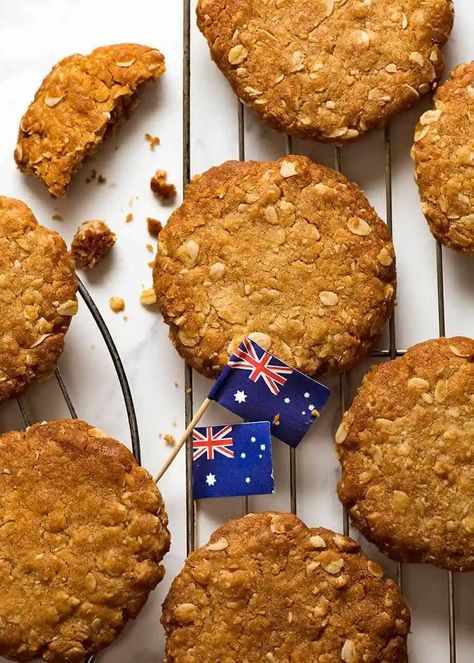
{"x":203,"y":407}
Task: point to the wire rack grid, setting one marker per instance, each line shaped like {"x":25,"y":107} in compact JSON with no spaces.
{"x":391,"y":352}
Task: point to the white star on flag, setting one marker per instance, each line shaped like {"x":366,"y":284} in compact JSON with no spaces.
{"x":240,"y":396}
{"x":247,"y":479}
{"x":310,"y":408}
{"x":287,"y":400}
{"x":211,"y":479}
{"x":306,"y":394}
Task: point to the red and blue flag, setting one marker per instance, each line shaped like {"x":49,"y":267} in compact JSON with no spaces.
{"x":258,"y":386}
{"x":232,"y":460}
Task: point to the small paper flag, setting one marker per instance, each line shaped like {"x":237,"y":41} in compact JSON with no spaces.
{"x":258,"y":386}
{"x":232,"y":460}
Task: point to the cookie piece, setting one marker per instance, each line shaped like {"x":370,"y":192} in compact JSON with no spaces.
{"x":327,"y":69}
{"x":443,"y":153}
{"x":82,"y":99}
{"x":82,"y":536}
{"x":159,"y":184}
{"x":280,"y":591}
{"x":287,"y":252}
{"x":406,"y":450}
{"x":93,"y":239}
{"x":37,"y":298}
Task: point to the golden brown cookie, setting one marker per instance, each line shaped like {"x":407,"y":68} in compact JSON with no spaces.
{"x":327,"y":69}
{"x":268,"y":588}
{"x":288,"y":252}
{"x":92,"y":241}
{"x":82,"y":99}
{"x":37,"y":298}
{"x":82,"y":534}
{"x":444,"y":159}
{"x":406,"y":449}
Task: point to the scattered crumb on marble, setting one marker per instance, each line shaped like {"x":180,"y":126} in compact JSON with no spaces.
{"x":101,"y":179}
{"x":154,"y":226}
{"x":159,"y":184}
{"x":93,"y":239}
{"x":149,"y":248}
{"x":153,"y":140}
{"x":117,"y":304}
{"x":169,"y":439}
{"x":57,"y":217}
{"x":129,"y":218}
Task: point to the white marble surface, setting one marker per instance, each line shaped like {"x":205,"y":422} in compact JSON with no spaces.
{"x":34,"y":34}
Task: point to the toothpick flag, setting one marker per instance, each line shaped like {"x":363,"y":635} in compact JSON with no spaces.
{"x":258,"y":386}
{"x":232,"y":460}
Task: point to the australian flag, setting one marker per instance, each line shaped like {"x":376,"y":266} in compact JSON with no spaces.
{"x":258,"y":386}
{"x":232,"y":460}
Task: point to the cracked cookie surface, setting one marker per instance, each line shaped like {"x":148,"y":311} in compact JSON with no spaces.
{"x":443,"y":153}
{"x":81,"y":100}
{"x":268,"y":588}
{"x":327,"y":69}
{"x":288,"y":252}
{"x":406,"y":450}
{"x":37,"y":298}
{"x":82,"y":534}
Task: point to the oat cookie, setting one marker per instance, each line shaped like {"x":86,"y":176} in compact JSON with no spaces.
{"x":288,"y":252}
{"x":327,"y":69}
{"x":82,"y":534}
{"x":444,"y":157}
{"x":37,"y":298}
{"x":92,"y":241}
{"x":279,"y":591}
{"x":82,"y":99}
{"x":406,"y":449}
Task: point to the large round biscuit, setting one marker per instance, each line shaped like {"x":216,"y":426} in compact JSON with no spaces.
{"x":82,"y":534}
{"x":329,"y":69}
{"x":268,"y":588}
{"x":37,"y":298}
{"x":443,"y":153}
{"x":288,"y":252}
{"x":406,"y":447}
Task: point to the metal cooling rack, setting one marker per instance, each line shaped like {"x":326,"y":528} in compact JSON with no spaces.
{"x":389,"y":353}
{"x":122,"y":378}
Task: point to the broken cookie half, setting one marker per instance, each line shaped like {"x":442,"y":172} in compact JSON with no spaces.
{"x":82,"y":99}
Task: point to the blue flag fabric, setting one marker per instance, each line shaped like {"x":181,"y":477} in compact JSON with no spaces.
{"x":232,"y":460}
{"x":258,"y":386}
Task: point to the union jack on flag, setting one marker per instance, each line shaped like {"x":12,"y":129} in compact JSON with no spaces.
{"x":232,"y":460}
{"x":210,"y":443}
{"x":258,"y":386}
{"x":264,"y":366}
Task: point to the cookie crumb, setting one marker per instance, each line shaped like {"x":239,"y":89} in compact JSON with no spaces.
{"x":129,"y":218}
{"x":151,"y":263}
{"x":148,"y":297}
{"x":149,"y":247}
{"x":93,"y":239}
{"x":57,"y":217}
{"x":169,"y":439}
{"x":101,"y":179}
{"x":154,"y":226}
{"x":159,"y":184}
{"x":92,"y":176}
{"x":276,"y":419}
{"x":314,"y":413}
{"x":153,"y":140}
{"x":117,"y":304}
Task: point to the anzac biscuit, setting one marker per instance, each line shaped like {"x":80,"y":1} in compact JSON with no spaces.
{"x":82,"y":534}
{"x":268,"y":588}
{"x":289,"y":253}
{"x":327,"y":69}
{"x":406,"y":449}
{"x":81,"y":100}
{"x":37,"y":298}
{"x":444,"y":158}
